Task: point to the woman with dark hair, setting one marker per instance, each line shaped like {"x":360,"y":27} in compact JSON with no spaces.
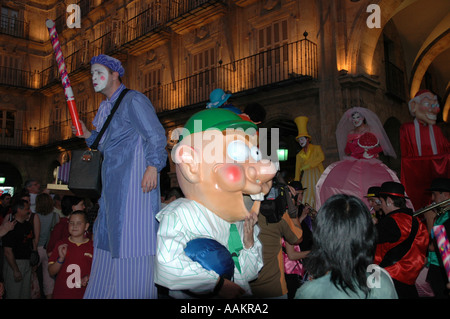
{"x":344,"y":242}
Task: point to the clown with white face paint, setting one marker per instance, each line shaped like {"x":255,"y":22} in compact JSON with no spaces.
{"x":303,"y":141}
{"x":100,"y":77}
{"x":308,"y":164}
{"x":133,"y":149}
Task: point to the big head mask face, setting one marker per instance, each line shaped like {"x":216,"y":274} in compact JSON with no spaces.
{"x":357,"y":119}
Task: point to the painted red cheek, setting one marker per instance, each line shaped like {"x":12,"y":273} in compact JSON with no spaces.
{"x":233,"y":174}
{"x":102,"y":78}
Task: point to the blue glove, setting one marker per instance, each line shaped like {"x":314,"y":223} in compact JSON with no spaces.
{"x":211,"y":255}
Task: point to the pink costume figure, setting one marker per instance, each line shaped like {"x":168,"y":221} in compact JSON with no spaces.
{"x":425,"y":150}
{"x":360,"y":138}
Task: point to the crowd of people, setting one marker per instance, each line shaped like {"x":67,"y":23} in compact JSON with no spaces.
{"x":338,"y":247}
{"x":34,"y":240}
{"x":306,"y":254}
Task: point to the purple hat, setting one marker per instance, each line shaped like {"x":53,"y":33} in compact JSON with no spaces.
{"x":110,"y":62}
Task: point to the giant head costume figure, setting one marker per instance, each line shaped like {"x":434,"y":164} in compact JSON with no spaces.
{"x":424,"y":107}
{"x":425,"y":150}
{"x":218,"y":161}
{"x":201,"y":236}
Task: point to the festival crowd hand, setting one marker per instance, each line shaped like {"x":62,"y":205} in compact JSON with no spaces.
{"x":230,"y":290}
{"x":150,"y":179}
{"x":292,"y":191}
{"x":84,"y":281}
{"x":86,"y":132}
{"x":17,"y":276}
{"x":249,"y":225}
{"x":8,"y":225}
{"x":62,"y":251}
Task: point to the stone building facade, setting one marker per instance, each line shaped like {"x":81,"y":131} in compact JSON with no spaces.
{"x":315,"y":58}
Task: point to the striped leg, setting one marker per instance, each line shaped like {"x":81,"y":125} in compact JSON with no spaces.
{"x":121,"y":278}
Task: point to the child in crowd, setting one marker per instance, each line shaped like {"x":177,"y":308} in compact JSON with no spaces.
{"x":71,"y":260}
{"x":69,"y":204}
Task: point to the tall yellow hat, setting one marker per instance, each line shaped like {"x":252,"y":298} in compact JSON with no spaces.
{"x":301,"y":122}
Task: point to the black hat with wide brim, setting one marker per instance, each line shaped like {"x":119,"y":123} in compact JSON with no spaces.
{"x":393,"y":189}
{"x":373,"y":191}
{"x":440,"y":185}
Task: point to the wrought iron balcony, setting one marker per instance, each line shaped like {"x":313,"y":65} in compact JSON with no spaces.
{"x":36,"y":137}
{"x":289,"y":62}
{"x":292,"y":61}
{"x":13,"y":26}
{"x":18,"y":78}
{"x":137,"y":29}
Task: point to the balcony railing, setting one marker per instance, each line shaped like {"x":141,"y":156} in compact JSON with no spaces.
{"x":143,"y":23}
{"x":292,"y":61}
{"x":146,"y":21}
{"x":13,"y":26}
{"x":53,"y":133}
{"x":288,"y":62}
{"x":17,"y":78}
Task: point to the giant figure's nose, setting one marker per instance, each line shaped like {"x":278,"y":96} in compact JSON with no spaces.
{"x":258,"y":175}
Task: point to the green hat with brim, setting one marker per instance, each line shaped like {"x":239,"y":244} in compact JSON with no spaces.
{"x":219,"y":119}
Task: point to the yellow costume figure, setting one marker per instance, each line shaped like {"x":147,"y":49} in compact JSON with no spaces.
{"x":308,"y":165}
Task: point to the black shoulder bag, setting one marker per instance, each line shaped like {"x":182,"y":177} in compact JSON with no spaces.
{"x":85,"y":168}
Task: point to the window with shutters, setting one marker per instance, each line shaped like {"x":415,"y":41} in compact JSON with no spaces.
{"x":270,"y":42}
{"x":9,"y":69}
{"x":395,"y":77}
{"x":99,"y":44}
{"x":203,"y":66}
{"x":9,"y":21}
{"x":55,"y":127}
{"x":152,"y":85}
{"x":7,"y":120}
{"x":9,"y":61}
